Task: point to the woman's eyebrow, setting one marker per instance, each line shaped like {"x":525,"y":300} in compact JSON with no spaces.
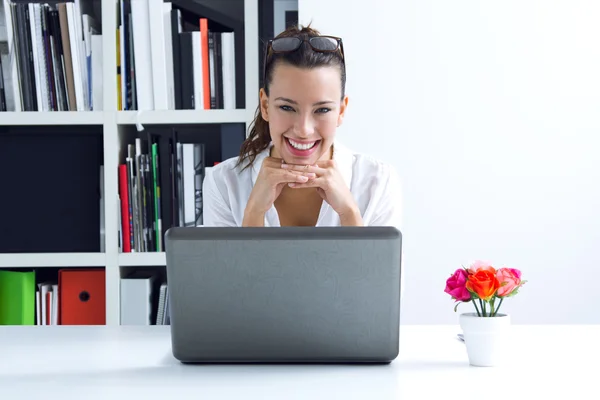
{"x":318,"y":103}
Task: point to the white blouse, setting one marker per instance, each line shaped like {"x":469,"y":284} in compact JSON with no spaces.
{"x":374,"y":185}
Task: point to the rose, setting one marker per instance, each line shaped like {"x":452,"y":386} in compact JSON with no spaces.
{"x":516,"y":272}
{"x":483,"y":283}
{"x":480,"y":265}
{"x":456,"y":286}
{"x":510,"y":280}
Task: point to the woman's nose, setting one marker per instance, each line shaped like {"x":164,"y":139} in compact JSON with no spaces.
{"x":304,"y":126}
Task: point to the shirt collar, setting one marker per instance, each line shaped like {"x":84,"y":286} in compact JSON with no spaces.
{"x":341,"y":155}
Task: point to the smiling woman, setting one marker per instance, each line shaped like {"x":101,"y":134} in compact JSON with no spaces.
{"x":292,"y":170}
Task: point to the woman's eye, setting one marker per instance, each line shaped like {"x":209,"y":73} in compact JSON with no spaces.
{"x":286,"y":108}
{"x":323,"y":110}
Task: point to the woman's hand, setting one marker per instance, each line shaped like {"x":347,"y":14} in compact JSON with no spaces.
{"x":270,"y":181}
{"x":332,"y":188}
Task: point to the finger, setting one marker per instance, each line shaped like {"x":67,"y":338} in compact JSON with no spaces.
{"x":304,"y":168}
{"x":326,"y":164}
{"x":285,"y":173}
{"x":313,"y":183}
{"x":280,"y":172}
{"x":292,"y":176}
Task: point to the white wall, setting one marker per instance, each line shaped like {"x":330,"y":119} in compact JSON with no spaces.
{"x":491,"y":113}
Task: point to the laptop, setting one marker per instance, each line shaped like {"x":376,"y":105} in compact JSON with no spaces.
{"x":284,"y":294}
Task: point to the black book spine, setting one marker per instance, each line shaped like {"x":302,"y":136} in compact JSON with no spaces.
{"x":127,"y":53}
{"x":61,"y":85}
{"x":131,"y":82}
{"x":219,"y":70}
{"x":187,"y":70}
{"x":175,"y":30}
{"x":48,"y":54}
{"x":23,"y":56}
{"x":3,"y":106}
{"x":31,"y":65}
{"x":167,"y":174}
{"x":240,"y":66}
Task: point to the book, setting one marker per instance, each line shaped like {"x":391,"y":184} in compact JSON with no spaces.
{"x":17,"y":298}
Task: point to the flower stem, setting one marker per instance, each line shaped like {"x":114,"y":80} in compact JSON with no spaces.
{"x":499,"y":304}
{"x":492,"y":307}
{"x":482,"y":304}
{"x":476,"y":309}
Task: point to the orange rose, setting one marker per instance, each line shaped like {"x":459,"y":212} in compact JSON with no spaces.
{"x":483,"y":283}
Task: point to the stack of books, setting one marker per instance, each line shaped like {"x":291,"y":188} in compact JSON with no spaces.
{"x":163,"y":66}
{"x":142,"y":188}
{"x":53,"y":57}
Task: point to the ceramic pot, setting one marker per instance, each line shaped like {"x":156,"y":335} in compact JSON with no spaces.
{"x":486,"y":338}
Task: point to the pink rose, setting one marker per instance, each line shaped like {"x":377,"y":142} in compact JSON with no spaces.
{"x":509,"y":279}
{"x":516,"y":272}
{"x":456,"y":286}
{"x":481,"y":265}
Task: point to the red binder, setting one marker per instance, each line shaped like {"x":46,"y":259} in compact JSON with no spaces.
{"x":126,"y":218}
{"x":82,"y":295}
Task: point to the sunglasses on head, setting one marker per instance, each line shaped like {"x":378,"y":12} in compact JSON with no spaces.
{"x":322,"y":44}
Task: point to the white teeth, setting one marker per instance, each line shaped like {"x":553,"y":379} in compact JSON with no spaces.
{"x":301,"y":146}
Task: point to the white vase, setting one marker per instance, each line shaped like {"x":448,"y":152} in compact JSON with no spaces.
{"x":486,"y":338}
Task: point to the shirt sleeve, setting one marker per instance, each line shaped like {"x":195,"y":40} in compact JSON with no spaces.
{"x":388,"y":211}
{"x":216,"y":210}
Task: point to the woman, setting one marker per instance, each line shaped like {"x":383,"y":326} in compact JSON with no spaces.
{"x":292,"y":170}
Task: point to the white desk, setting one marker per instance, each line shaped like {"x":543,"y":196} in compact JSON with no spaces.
{"x":86,"y":363}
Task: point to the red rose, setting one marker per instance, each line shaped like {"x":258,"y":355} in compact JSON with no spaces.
{"x":483,"y":283}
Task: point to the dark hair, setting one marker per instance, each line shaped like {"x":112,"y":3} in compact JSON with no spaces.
{"x":305,"y":57}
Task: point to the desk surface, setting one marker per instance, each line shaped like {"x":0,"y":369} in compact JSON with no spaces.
{"x":82,"y":362}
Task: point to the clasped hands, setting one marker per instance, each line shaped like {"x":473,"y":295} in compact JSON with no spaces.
{"x":324,"y":176}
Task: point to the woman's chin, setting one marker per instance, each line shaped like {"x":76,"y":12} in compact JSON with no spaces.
{"x":290,"y":159}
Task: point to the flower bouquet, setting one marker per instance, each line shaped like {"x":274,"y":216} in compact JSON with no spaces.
{"x":483,"y":285}
{"x":484,"y":331}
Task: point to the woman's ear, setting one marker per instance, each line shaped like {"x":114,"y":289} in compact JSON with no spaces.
{"x":343,"y":106}
{"x":264,"y":104}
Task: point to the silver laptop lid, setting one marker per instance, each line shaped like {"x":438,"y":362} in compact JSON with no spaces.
{"x":286,"y":294}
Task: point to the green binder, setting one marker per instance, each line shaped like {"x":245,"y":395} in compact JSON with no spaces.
{"x":17,"y":297}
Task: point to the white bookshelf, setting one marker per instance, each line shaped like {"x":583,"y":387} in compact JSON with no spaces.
{"x":155,"y":259}
{"x":25,"y":260}
{"x":183,"y":117}
{"x":52,"y":118}
{"x":114,"y":123}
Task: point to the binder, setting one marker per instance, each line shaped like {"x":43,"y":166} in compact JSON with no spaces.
{"x":82,"y":296}
{"x":17,"y":297}
{"x":136,"y":293}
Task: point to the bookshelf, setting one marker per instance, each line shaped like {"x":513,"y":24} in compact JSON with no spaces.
{"x":99,"y":138}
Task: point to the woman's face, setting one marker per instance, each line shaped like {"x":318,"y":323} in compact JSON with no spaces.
{"x":303,"y":112}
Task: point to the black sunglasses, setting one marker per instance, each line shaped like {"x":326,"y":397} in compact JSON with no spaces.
{"x":323,"y":44}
